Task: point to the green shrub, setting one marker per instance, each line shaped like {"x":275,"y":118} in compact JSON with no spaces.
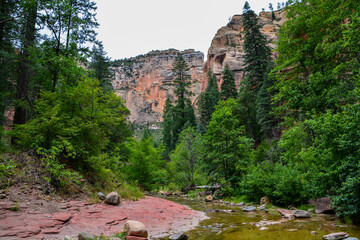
{"x":284,"y":185}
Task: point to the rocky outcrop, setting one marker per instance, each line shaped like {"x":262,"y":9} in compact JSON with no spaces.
{"x":227,"y":45}
{"x":146,"y":81}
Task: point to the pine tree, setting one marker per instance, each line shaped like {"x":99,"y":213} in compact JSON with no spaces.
{"x":100,"y":65}
{"x":177,"y":117}
{"x":168,"y":125}
{"x":228,"y":87}
{"x":257,"y":52}
{"x":257,"y":62}
{"x":208,"y":99}
{"x":272,"y":11}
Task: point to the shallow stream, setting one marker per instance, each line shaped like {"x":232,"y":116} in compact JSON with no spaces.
{"x":240,"y":225}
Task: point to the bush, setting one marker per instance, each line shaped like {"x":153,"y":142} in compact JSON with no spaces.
{"x":284,"y":185}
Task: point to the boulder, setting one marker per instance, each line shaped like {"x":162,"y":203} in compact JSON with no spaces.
{"x":85,"y":236}
{"x":249,"y":209}
{"x":209,"y":198}
{"x":322,"y":205}
{"x":336,"y":236}
{"x":101,"y":196}
{"x":135,"y":228}
{"x":314,"y":233}
{"x":112,"y":198}
{"x":264,"y":200}
{"x":301,"y":214}
{"x":285,"y":213}
{"x":178,"y":236}
{"x":351,"y":238}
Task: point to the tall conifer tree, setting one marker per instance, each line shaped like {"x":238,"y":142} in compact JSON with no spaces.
{"x":256,"y":66}
{"x":208,"y":99}
{"x":177,"y":117}
{"x":228,"y":87}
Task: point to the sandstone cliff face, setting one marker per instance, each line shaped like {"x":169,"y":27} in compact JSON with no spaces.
{"x":145,"y":82}
{"x":227,"y":45}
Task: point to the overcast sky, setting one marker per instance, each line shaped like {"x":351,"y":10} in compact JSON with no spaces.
{"x":132,"y":27}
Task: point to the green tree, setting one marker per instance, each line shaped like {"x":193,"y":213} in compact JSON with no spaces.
{"x":227,"y":147}
{"x":80,"y":117}
{"x":208,"y":99}
{"x":71,"y":25}
{"x":168,"y":126}
{"x":28,"y":38}
{"x":9,"y":27}
{"x":318,"y":63}
{"x":145,"y":165}
{"x":185,"y":161}
{"x":100,"y":66}
{"x":257,"y":51}
{"x":254,"y":95}
{"x":228,"y":87}
{"x":180,"y":116}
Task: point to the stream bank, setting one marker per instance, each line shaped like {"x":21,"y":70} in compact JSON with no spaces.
{"x":228,"y":222}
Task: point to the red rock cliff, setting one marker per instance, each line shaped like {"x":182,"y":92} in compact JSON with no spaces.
{"x":227,"y":45}
{"x":145,"y":82}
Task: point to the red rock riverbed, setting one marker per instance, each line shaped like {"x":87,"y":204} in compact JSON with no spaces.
{"x":41,"y":219}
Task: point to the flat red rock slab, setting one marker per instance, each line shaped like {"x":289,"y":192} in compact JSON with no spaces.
{"x":62,"y":216}
{"x":158,"y":215}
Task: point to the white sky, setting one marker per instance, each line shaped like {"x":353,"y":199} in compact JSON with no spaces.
{"x":132,"y":27}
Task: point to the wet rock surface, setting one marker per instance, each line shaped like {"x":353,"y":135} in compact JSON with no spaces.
{"x":301,"y":214}
{"x":336,"y":236}
{"x":54,"y":220}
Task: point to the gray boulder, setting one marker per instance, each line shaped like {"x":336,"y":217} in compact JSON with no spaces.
{"x":336,"y":236}
{"x":249,"y":209}
{"x":112,"y":198}
{"x":178,"y":236}
{"x":301,"y":214}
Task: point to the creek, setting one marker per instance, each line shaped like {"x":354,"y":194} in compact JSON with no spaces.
{"x":239,"y":225}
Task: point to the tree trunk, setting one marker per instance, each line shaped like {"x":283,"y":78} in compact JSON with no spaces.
{"x":21,"y":112}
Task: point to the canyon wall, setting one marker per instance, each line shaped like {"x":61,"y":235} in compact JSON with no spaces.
{"x":227,"y":45}
{"x":146,"y":81}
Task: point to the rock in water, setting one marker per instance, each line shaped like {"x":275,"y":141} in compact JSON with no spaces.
{"x":301,"y":214}
{"x":336,"y":236}
{"x":322,"y":205}
{"x":101,"y":196}
{"x":85,"y":236}
{"x":178,"y":236}
{"x":112,"y":198}
{"x":209,"y":198}
{"x":285,"y":213}
{"x":135,"y":228}
{"x":249,"y":209}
